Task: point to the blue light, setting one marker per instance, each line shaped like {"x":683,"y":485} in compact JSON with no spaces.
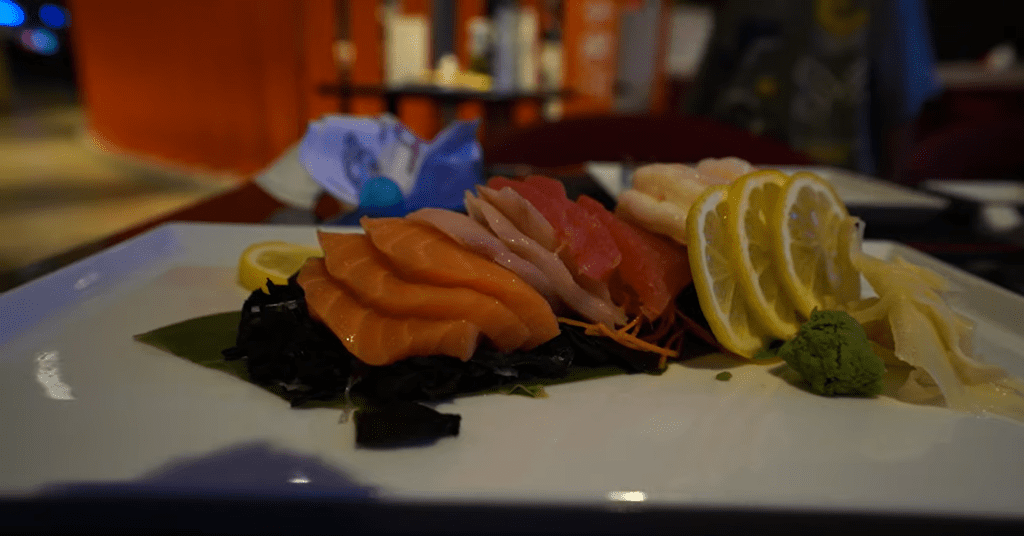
{"x":53,"y":16}
{"x":11,"y":14}
{"x":40,"y":41}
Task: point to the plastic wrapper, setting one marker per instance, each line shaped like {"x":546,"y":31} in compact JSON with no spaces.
{"x":381,"y":167}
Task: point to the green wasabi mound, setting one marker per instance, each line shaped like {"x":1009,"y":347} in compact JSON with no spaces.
{"x":832,"y":353}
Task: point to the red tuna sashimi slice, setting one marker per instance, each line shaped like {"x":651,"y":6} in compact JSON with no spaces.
{"x":656,"y":269}
{"x":422,"y":253}
{"x":352,"y":260}
{"x":589,"y":248}
{"x":551,"y":207}
{"x":376,"y":338}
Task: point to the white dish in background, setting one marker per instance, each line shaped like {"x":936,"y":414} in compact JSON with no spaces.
{"x":998,"y":202}
{"x":83,"y":402}
{"x":985,"y":192}
{"x":883,"y":201}
{"x":859,"y":190}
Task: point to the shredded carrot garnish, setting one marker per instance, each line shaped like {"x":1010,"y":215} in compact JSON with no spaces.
{"x":633,"y":325}
{"x":676,"y":340}
{"x":707,"y":336}
{"x":572,"y":322}
{"x":666,"y":336}
{"x":664,"y":324}
{"x":622,"y":336}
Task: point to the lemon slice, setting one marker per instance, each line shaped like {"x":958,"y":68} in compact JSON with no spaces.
{"x":713,"y":267}
{"x":752,"y":200}
{"x":276,"y":261}
{"x":807,"y":248}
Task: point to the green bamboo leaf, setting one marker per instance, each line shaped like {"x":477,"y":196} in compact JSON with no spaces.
{"x":201,"y":340}
{"x":532,"y":391}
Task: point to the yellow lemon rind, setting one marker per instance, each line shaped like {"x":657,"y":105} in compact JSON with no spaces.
{"x":781,"y":325}
{"x":719,"y":320}
{"x":803,"y":296}
{"x":252,"y":275}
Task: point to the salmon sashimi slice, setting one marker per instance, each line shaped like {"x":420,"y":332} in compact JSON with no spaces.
{"x":476,"y":237}
{"x":591,"y":307}
{"x":422,"y":253}
{"x":352,"y":261}
{"x":655,"y":268}
{"x":588,"y":248}
{"x":377,"y":338}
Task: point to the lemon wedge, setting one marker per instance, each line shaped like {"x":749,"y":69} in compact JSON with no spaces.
{"x":276,"y":261}
{"x":806,"y":220}
{"x":752,"y":199}
{"x":714,"y":274}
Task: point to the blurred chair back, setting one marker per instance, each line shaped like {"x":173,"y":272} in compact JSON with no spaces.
{"x":979,"y":149}
{"x":638,"y":139}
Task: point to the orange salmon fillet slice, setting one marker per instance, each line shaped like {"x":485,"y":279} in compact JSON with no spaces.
{"x":377,"y":338}
{"x":352,"y":260}
{"x":424,"y":254}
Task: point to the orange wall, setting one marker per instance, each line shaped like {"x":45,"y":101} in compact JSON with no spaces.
{"x":367,"y":35}
{"x":230,"y":84}
{"x":590,"y":78}
{"x":224,"y":85}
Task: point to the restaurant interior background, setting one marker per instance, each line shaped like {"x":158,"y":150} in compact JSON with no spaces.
{"x":113,"y":112}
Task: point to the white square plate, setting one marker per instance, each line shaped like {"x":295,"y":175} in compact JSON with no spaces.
{"x":82,"y":402}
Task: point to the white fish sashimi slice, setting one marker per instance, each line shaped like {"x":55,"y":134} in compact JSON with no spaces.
{"x":525,"y":216}
{"x":724,"y":170}
{"x":575,"y":297}
{"x":522,"y":213}
{"x":478,"y":238}
{"x":659,"y":217}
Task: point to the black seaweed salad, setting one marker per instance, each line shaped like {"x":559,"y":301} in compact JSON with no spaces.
{"x":284,"y":347}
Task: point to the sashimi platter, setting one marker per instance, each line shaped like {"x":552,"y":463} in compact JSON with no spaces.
{"x":527,"y":289}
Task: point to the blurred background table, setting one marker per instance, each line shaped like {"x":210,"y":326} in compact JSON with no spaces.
{"x":495,"y":109}
{"x":238,"y":85}
{"x":952,"y":234}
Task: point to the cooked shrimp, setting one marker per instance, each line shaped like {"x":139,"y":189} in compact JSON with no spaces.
{"x":724,"y":170}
